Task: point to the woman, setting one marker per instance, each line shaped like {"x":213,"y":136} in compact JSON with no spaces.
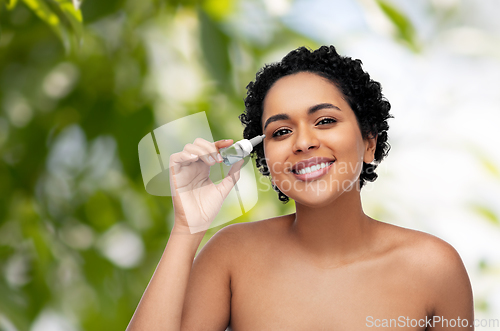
{"x":328,"y":266}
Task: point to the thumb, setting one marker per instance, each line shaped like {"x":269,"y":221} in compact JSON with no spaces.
{"x":232,"y":177}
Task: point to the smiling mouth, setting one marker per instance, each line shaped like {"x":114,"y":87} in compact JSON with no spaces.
{"x":313,"y":168}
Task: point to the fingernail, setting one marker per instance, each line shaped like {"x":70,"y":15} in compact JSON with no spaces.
{"x":211,"y":159}
{"x":219,"y":157}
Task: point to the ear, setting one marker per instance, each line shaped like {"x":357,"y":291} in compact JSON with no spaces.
{"x":370,"y":146}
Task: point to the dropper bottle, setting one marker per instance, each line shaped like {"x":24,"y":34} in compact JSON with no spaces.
{"x":239,"y":149}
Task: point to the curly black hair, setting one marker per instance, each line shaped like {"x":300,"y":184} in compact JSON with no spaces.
{"x":363,"y":95}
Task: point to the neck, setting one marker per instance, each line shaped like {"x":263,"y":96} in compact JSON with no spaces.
{"x":335,"y":233}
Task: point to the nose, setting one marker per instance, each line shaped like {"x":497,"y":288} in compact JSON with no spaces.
{"x":305,"y":140}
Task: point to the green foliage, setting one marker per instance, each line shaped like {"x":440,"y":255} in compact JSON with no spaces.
{"x":486,"y":213}
{"x":78,"y":90}
{"x":404,"y":27}
{"x":72,"y":115}
{"x":10,"y":4}
{"x":215,"y":46}
{"x":61,"y":15}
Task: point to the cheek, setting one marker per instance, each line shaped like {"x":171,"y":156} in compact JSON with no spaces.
{"x":342,"y":142}
{"x":276,"y":159}
{"x":347,"y":147}
{"x":347,"y":140}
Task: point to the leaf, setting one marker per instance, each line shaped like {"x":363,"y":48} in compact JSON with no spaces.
{"x":70,"y":8}
{"x":487,"y":213}
{"x":490,"y":166}
{"x":486,"y":161}
{"x":77,"y":4}
{"x":405,"y":28}
{"x":75,"y":19}
{"x":40,"y":8}
{"x":71,"y":18}
{"x":215,"y":47}
{"x":11,"y":4}
{"x":218,"y":9}
{"x":44,"y":12}
{"x":62,"y":17}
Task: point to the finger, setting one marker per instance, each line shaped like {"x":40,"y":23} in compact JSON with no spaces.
{"x":222,"y":144}
{"x":209,"y":147}
{"x":182,"y":158}
{"x":230,"y":180}
{"x":202,"y":153}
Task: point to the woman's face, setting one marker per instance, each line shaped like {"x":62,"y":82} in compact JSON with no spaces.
{"x":313,"y":146}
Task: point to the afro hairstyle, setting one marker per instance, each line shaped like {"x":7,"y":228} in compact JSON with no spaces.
{"x":363,"y":95}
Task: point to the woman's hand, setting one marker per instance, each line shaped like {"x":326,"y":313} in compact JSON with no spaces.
{"x":196,"y":199}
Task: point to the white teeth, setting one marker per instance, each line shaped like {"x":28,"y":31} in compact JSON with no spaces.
{"x":313,"y":168}
{"x":306,"y":170}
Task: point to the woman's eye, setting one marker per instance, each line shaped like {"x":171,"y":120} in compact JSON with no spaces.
{"x":280,"y":132}
{"x":327,"y":121}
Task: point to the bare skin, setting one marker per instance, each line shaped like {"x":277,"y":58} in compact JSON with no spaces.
{"x":328,"y":266}
{"x":255,"y":276}
{"x":279,"y":286}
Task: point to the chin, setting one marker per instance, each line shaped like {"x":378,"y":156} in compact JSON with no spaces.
{"x":316,"y":195}
{"x":311,"y":203}
{"x":314,"y":198}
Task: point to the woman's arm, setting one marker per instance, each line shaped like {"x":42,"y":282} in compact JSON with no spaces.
{"x":196,"y":201}
{"x":183,"y":295}
{"x":207,"y":305}
{"x":453,"y":307}
{"x":161,"y":305}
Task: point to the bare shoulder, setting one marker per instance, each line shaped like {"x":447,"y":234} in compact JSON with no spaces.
{"x":433,"y":260}
{"x":246,"y":237}
{"x":211,"y":281}
{"x":431,"y":267}
{"x":418,"y":248}
{"x":423,"y":249}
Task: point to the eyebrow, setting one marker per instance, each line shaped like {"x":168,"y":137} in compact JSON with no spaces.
{"x":311,"y":110}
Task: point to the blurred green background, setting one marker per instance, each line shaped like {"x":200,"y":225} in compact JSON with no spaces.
{"x":82,"y":83}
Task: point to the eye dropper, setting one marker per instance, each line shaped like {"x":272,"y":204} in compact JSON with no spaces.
{"x":239,"y":149}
